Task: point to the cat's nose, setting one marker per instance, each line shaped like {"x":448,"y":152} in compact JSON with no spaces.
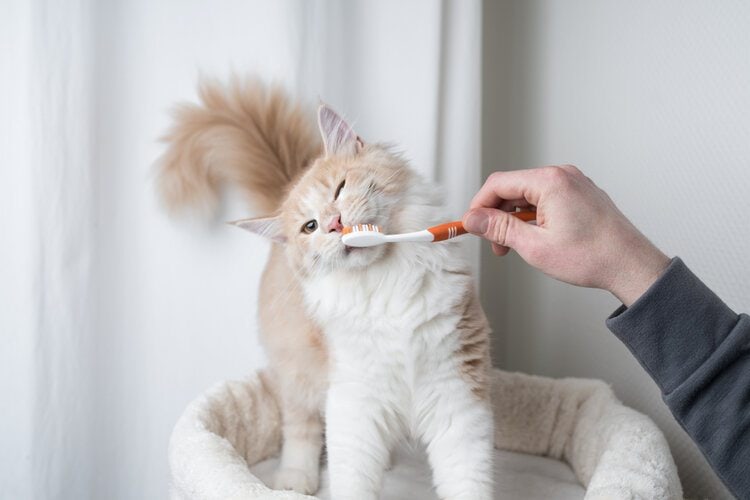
{"x":335,"y":224}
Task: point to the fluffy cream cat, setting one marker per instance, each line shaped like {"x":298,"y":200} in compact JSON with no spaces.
{"x":388,"y":342}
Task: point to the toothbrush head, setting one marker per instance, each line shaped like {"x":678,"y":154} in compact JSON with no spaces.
{"x":357,"y":228}
{"x":362,"y":235}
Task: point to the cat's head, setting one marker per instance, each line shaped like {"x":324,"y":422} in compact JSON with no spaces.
{"x":352,"y":183}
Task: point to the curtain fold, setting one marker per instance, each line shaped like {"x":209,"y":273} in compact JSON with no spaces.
{"x":48,"y":179}
{"x":62,"y":110}
{"x":458,"y":136}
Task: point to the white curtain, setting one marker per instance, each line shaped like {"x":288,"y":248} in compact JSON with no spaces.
{"x":112,"y":316}
{"x":48,"y":251}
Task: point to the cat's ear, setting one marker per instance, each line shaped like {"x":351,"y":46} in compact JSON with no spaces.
{"x":269,"y":227}
{"x":338,"y":136}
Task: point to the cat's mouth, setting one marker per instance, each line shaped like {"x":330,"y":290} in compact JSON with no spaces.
{"x":358,"y":255}
{"x":355,"y":252}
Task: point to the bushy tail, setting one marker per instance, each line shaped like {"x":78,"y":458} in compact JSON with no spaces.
{"x":245,"y":134}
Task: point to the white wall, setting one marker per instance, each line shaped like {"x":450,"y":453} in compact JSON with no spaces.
{"x":652,"y":101}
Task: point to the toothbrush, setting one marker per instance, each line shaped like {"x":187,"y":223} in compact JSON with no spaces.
{"x":369,"y":235}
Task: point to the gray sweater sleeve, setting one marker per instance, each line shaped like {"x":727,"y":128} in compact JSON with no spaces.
{"x":698,"y":352}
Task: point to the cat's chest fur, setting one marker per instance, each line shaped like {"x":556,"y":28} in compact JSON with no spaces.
{"x":400,"y":315}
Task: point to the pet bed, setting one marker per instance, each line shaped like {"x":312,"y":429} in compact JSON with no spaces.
{"x":554,"y":438}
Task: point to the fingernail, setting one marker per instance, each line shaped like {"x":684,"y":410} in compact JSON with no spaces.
{"x":477,"y":222}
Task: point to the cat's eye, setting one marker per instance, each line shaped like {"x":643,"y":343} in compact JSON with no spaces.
{"x":338,"y":190}
{"x":310,"y":226}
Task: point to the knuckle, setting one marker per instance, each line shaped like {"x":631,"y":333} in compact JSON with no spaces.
{"x":558,"y":176}
{"x":494,"y":177}
{"x":498,"y":229}
{"x":572,"y":169}
{"x":554,"y":172}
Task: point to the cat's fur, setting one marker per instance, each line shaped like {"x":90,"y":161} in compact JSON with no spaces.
{"x":394,"y":332}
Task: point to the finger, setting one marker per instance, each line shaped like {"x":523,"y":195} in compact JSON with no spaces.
{"x":501,"y":228}
{"x":499,"y":250}
{"x":518,"y":184}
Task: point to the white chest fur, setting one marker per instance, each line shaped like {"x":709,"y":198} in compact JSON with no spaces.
{"x":394,"y":321}
{"x":391,"y":331}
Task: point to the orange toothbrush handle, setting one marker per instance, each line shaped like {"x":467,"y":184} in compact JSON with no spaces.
{"x":447,"y":231}
{"x":456,"y":228}
{"x":525,"y":215}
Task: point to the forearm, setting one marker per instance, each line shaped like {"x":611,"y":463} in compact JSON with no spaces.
{"x":698,"y":352}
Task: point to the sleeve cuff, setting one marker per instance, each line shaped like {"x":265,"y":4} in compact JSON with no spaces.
{"x":673,"y":327}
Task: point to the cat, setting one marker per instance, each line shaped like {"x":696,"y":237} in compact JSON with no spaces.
{"x":389,"y":342}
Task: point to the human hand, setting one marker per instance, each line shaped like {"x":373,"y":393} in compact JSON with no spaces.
{"x":581,"y":237}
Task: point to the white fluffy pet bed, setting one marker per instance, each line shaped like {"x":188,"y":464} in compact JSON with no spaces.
{"x":567,"y":438}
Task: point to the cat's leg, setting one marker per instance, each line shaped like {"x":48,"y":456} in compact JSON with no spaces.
{"x":302,"y":434}
{"x":301,"y":389}
{"x":458,"y":434}
{"x":358,"y":439}
{"x":298,"y":358}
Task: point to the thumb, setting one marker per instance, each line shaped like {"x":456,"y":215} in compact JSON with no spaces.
{"x":500,"y":227}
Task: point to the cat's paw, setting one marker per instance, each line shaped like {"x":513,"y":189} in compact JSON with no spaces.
{"x":305,"y":482}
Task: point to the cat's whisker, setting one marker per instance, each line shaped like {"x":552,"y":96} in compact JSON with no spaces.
{"x":391,"y":177}
{"x":281,"y":298}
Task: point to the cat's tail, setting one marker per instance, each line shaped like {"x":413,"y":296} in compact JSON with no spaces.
{"x":245,"y":134}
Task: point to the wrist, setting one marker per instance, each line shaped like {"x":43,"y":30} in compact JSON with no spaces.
{"x":641,"y":270}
